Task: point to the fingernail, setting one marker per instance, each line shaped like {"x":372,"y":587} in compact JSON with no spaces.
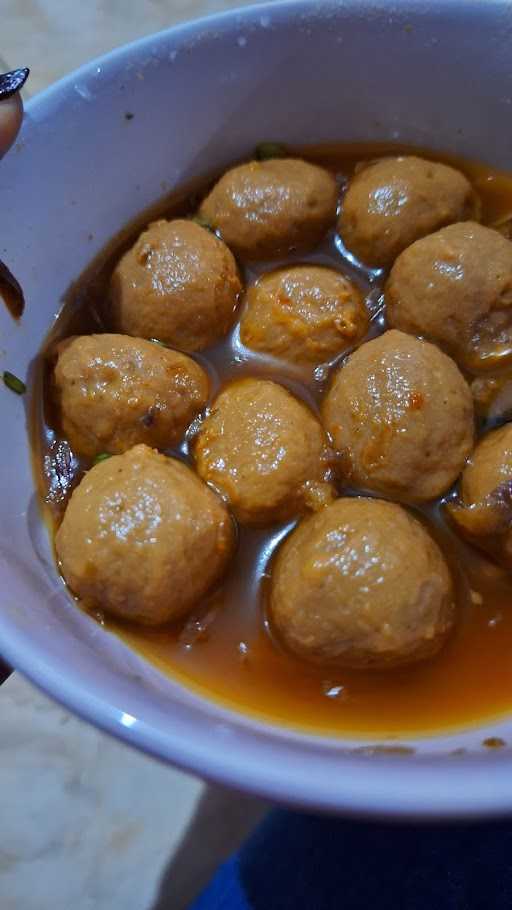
{"x":10,"y":83}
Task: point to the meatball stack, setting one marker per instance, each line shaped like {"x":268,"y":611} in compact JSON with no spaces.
{"x":144,"y":536}
{"x":359,"y":581}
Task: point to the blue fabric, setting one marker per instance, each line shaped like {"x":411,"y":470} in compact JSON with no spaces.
{"x":225,"y":891}
{"x":301,"y":862}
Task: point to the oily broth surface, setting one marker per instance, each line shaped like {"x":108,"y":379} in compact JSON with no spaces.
{"x":225,"y":649}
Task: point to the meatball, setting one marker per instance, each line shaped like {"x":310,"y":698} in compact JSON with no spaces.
{"x":483,"y":515}
{"x":113,"y":391}
{"x":401,"y":415}
{"x":489,"y":467}
{"x":179,"y":283}
{"x":361,"y":584}
{"x":265,"y":451}
{"x":266,"y":208}
{"x":394,"y":201}
{"x":306,"y":314}
{"x":455,"y":287}
{"x":143,"y":538}
{"x":492,"y":396}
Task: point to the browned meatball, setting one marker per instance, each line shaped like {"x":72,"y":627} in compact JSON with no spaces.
{"x":484,"y":513}
{"x":179,"y":283}
{"x":455,"y":287}
{"x":492,"y":396}
{"x":265,"y":451}
{"x":143,"y":538}
{"x":266,"y":208}
{"x":306,"y":314}
{"x":489,"y":467}
{"x":394,"y":201}
{"x":401,"y":414}
{"x":113,"y":391}
{"x":361,"y":584}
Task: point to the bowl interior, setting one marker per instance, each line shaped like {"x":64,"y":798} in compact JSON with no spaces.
{"x":201,"y":96}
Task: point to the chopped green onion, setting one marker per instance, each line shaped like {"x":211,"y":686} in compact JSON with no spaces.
{"x":203,"y":222}
{"x":266,"y":150}
{"x":101,"y":457}
{"x":13,"y":383}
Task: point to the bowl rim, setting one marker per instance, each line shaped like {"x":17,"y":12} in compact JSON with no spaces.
{"x":428,"y":787}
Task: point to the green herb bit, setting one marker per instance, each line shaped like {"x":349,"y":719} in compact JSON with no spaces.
{"x":13,"y":383}
{"x":266,"y":150}
{"x":101,"y":457}
{"x":203,"y":222}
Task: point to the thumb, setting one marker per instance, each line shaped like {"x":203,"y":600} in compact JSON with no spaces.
{"x":11,"y":106}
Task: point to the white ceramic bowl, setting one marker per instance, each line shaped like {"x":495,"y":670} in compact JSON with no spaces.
{"x":435,"y":74}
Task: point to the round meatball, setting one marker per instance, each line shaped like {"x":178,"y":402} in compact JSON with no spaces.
{"x":143,"y":538}
{"x":266,"y":208}
{"x":490,"y":466}
{"x":113,"y":391}
{"x":492,"y":397}
{"x":483,"y":515}
{"x":179,"y":284}
{"x":455,"y":287}
{"x":361,"y":584}
{"x":394,"y":201}
{"x":306,"y":314}
{"x":401,"y":415}
{"x":265,"y":451}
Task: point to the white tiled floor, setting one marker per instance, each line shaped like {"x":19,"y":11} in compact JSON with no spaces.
{"x":85,"y":822}
{"x":54,"y":37}
{"x":88,"y":823}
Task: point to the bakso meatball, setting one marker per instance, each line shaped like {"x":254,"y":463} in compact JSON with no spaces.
{"x":393,"y":201}
{"x":265,"y":451}
{"x":266,"y":208}
{"x":113,"y":391}
{"x":361,"y":584}
{"x":490,"y":465}
{"x":178,"y":283}
{"x":306,"y":314}
{"x":483,"y":515}
{"x":455,"y":287}
{"x":492,"y":396}
{"x":401,"y":415}
{"x":143,"y":538}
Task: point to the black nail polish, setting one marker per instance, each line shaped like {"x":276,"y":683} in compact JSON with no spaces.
{"x":10,"y":83}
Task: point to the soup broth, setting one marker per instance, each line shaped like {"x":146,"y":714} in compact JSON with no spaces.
{"x":225,"y":650}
